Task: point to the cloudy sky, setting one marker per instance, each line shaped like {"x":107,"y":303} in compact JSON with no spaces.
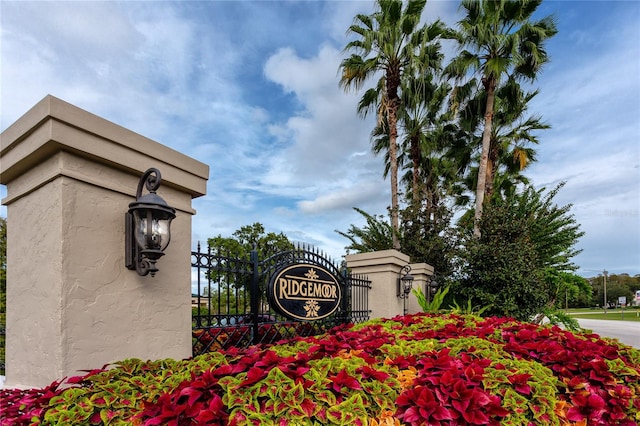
{"x":251,"y":89}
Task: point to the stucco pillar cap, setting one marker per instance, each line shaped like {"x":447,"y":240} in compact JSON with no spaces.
{"x":54,"y":125}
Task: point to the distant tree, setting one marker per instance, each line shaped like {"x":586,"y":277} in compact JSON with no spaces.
{"x":251,"y":237}
{"x":632,"y":283}
{"x":616,"y":290}
{"x":569,"y":289}
{"x":229,"y":283}
{"x":617,"y":285}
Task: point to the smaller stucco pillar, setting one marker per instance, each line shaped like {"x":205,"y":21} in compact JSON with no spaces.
{"x":422,"y":274}
{"x":383,"y":269}
{"x":71,"y":302}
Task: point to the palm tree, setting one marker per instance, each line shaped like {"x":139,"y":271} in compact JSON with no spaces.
{"x":423,"y":100}
{"x":387,"y":43}
{"x":511,"y":136}
{"x":498,"y":39}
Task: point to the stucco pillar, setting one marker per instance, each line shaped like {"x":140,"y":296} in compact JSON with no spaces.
{"x":71,"y":302}
{"x":383,"y":269}
{"x":422,"y":274}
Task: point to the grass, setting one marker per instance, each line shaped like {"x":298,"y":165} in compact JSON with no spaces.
{"x":612,"y":314}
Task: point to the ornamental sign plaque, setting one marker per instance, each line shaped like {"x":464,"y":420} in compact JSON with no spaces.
{"x":304,"y":292}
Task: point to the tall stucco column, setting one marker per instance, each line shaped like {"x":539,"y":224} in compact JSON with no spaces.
{"x":383,"y":269}
{"x":71,"y":302}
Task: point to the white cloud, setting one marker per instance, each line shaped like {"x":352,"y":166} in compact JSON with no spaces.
{"x":342,"y":199}
{"x":325,"y":131}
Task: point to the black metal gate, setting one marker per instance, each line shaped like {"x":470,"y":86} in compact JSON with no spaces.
{"x":230,"y":307}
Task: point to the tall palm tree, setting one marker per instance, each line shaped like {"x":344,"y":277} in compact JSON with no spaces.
{"x":498,"y":38}
{"x":422,"y":118}
{"x":511,"y":136}
{"x":387,"y":42}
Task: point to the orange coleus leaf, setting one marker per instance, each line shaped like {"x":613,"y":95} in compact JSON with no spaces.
{"x":407,"y":377}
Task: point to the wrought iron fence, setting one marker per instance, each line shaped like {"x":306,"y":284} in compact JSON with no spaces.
{"x":230,"y":306}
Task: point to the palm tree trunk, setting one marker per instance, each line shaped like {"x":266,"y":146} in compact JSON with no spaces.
{"x":393,"y":83}
{"x":393,"y":161}
{"x":415,"y":158}
{"x":492,"y":163}
{"x":484,"y":157}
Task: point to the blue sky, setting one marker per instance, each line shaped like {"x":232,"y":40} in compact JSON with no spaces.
{"x":251,"y":89}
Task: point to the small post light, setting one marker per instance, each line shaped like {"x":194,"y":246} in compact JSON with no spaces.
{"x":405,"y":282}
{"x":147,"y":226}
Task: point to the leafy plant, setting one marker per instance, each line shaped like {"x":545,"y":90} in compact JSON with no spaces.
{"x":469,"y":308}
{"x":558,"y":317}
{"x":433,"y":305}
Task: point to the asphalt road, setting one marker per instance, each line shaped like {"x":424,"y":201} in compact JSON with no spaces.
{"x":628,"y":332}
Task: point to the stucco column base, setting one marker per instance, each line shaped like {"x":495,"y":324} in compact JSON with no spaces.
{"x":383,"y":269}
{"x":71,"y":302}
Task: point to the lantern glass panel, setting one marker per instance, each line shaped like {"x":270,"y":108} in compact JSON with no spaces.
{"x":156,"y":236}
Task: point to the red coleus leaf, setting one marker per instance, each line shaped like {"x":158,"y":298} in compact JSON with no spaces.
{"x":254,"y":375}
{"x":519,"y":382}
{"x":370,"y":373}
{"x":475,"y":417}
{"x":474,"y":373}
{"x":343,"y":379}
{"x":419,"y":405}
{"x":226,"y":370}
{"x":192,"y":394}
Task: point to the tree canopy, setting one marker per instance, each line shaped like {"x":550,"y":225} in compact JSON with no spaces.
{"x":248,"y":238}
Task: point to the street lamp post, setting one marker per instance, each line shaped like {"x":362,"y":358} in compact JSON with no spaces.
{"x":604,"y":277}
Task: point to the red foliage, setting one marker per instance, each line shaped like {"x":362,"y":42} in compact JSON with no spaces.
{"x":599,"y":383}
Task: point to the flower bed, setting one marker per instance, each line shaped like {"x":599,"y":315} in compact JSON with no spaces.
{"x":415,"y":369}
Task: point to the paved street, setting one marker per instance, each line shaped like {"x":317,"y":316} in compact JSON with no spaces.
{"x":627,"y":332}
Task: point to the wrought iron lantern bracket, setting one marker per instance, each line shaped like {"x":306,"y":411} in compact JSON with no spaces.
{"x":405,"y":282}
{"x":147,"y":226}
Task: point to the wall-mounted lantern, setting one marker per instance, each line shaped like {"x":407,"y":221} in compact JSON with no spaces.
{"x":405,"y":282}
{"x":147,"y":226}
{"x":431,"y":287}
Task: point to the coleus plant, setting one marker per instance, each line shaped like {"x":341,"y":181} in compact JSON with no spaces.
{"x":422,"y":369}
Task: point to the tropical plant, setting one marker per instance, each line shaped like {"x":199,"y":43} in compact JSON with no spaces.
{"x":388,"y":42}
{"x":427,"y":236}
{"x":468,"y":309}
{"x":498,"y":38}
{"x":376,"y":235}
{"x":435,"y":304}
{"x":556,"y":316}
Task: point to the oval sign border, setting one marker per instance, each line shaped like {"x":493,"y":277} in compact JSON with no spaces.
{"x":274,"y":301}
